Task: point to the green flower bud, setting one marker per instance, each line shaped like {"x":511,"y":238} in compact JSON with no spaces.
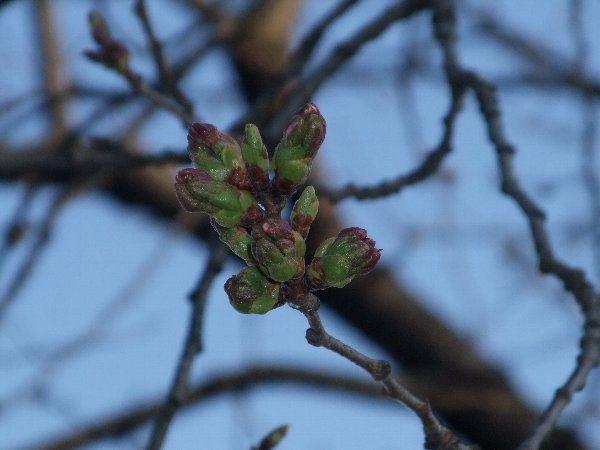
{"x":228,"y":205}
{"x":250,"y":292}
{"x":237,"y":239}
{"x":255,"y":154}
{"x":216,"y":153}
{"x":305,"y":211}
{"x":292,"y":160}
{"x":278,"y":250}
{"x":338,"y":260}
{"x":111,"y":53}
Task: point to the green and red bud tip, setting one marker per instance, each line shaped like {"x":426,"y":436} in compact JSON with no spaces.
{"x":338,"y":260}
{"x":250,"y":292}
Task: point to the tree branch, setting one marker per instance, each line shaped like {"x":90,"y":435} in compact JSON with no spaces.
{"x":239,"y":381}
{"x":167,"y":80}
{"x":437,"y":436}
{"x":39,"y":243}
{"x":191,"y":348}
{"x":428,"y":167}
{"x":573,"y":279}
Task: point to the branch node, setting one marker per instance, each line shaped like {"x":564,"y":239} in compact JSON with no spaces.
{"x":381,"y":370}
{"x":313,"y":337}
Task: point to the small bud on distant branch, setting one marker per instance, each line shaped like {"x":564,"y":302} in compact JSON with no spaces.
{"x":273,"y":439}
{"x":111,"y":53}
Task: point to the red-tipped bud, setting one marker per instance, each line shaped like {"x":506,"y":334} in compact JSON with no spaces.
{"x":278,"y":250}
{"x":338,"y":260}
{"x":216,"y":153}
{"x":198,"y":192}
{"x":292,"y":160}
{"x":250,"y":292}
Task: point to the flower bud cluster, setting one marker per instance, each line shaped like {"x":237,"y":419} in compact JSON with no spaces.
{"x":244,"y":194}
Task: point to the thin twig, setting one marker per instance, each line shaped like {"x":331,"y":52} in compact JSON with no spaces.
{"x":30,"y":261}
{"x":15,"y":228}
{"x":167,"y":81}
{"x":573,"y":279}
{"x":587,"y":360}
{"x":346,"y":50}
{"x":192,"y":346}
{"x":266,"y":103}
{"x":138,"y":85}
{"x":340,"y":55}
{"x":437,"y":436}
{"x":57,"y":358}
{"x":426,"y":169}
{"x":589,"y":354}
{"x":552,"y":68}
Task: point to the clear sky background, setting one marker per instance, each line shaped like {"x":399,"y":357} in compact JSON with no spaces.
{"x":454,"y":240}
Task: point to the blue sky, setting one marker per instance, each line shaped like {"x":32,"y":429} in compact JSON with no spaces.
{"x":450,"y":242}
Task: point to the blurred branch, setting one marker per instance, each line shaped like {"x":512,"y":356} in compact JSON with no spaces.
{"x":428,"y":167}
{"x":114,"y":55}
{"x":343,"y":52}
{"x":268,"y":101}
{"x":573,"y":279}
{"x":138,"y":85}
{"x":210,"y":11}
{"x":430,"y":353}
{"x":191,"y":348}
{"x":15,"y":228}
{"x":346,"y":50}
{"x":238,"y":381}
{"x":84,"y":161}
{"x":39,"y":243}
{"x":271,"y":440}
{"x":166,"y":79}
{"x":47,"y":363}
{"x":4,"y":3}
{"x":53,"y":70}
{"x":550,"y":68}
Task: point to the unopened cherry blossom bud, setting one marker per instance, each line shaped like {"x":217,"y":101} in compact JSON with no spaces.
{"x":198,"y":192}
{"x":111,"y":53}
{"x":237,"y":239}
{"x":305,"y":211}
{"x":256,"y":157}
{"x":292,"y":160}
{"x":250,"y":292}
{"x":338,"y":260}
{"x":216,"y":153}
{"x":278,"y":250}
